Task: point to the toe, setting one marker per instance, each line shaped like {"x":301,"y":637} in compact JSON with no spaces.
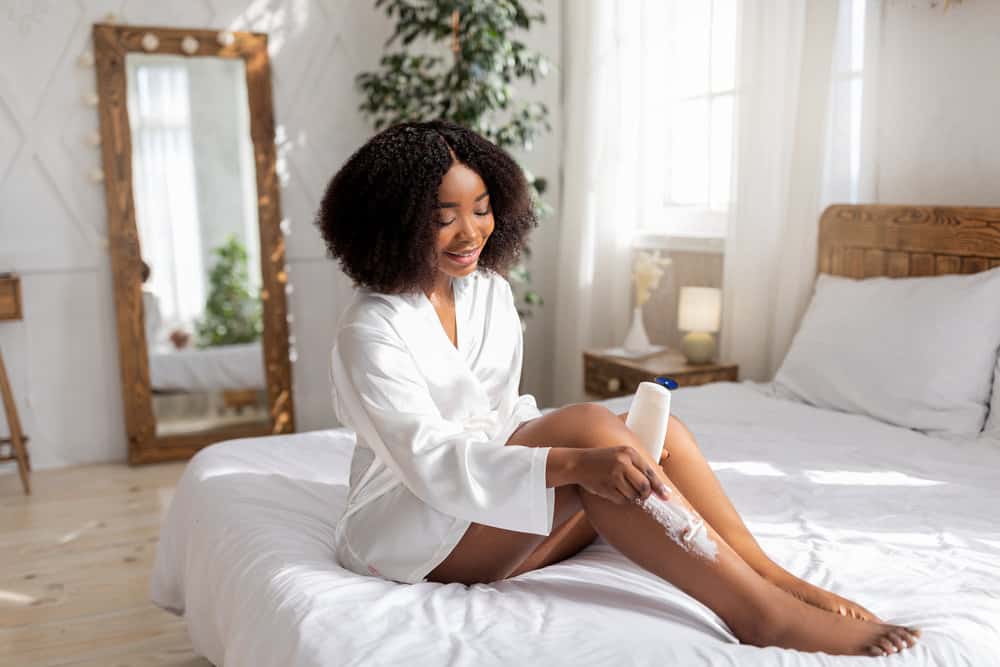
{"x":899,"y":639}
{"x":875,"y":650}
{"x":887,"y":645}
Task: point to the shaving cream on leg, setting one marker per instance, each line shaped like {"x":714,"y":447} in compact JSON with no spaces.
{"x":683,"y":526}
{"x":648,"y":418}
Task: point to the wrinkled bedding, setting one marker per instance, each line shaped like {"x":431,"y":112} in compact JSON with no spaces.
{"x":904,"y":523}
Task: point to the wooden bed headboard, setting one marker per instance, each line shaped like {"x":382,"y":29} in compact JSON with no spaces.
{"x":869,"y":240}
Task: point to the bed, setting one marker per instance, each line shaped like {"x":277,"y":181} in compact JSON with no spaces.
{"x":903,"y":522}
{"x":218,"y":368}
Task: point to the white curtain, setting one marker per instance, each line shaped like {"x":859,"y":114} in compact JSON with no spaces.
{"x":797,"y":151}
{"x":607,"y":167}
{"x":163,"y":178}
{"x":615,"y":72}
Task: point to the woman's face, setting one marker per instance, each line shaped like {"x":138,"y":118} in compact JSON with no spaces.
{"x":464,"y":218}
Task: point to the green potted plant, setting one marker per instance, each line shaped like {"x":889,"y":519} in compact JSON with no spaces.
{"x":232,"y":312}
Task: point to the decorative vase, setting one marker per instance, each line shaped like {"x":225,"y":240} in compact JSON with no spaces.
{"x":636,"y":339}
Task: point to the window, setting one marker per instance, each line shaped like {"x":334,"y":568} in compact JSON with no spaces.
{"x":844,"y":180}
{"x":164,"y":184}
{"x":700,"y":96}
{"x":695,"y":47}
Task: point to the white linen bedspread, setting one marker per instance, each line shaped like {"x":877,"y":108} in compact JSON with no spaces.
{"x":903,"y":523}
{"x":216,"y":368}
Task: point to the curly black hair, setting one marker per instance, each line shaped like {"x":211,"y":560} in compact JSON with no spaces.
{"x":377,"y":214}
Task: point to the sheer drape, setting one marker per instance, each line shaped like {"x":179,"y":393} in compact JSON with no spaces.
{"x":165,"y":192}
{"x":614,"y":139}
{"x":801,"y":140}
{"x":787,"y":165}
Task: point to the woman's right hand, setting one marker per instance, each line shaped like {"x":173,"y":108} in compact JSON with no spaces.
{"x":619,"y":474}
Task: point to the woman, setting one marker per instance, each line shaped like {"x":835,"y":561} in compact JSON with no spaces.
{"x":456,"y":477}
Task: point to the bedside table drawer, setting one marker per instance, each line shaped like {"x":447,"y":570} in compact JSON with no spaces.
{"x":607,"y":380}
{"x":706,"y":377}
{"x":609,"y":377}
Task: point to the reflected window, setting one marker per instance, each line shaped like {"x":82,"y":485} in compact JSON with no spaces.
{"x":163,"y":175}
{"x":194,"y":179}
{"x":195,"y":197}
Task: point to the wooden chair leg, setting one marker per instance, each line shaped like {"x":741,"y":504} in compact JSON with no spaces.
{"x":17,"y":439}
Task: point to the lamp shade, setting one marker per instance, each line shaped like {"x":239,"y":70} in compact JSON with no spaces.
{"x":700,"y":309}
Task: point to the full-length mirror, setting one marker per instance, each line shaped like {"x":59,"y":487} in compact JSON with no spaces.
{"x":197,"y":254}
{"x":196,"y":212}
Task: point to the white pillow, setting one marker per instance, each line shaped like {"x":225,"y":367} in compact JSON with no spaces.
{"x":914,"y":352}
{"x":992,"y":428}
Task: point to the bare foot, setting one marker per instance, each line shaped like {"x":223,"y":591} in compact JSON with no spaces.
{"x":801,"y":589}
{"x":808,"y":628}
{"x":847,"y":636}
{"x":821,"y":598}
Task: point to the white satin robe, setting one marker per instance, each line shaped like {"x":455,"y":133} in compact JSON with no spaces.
{"x":431,"y":423}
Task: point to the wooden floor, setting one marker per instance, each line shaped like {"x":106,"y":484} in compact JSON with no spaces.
{"x":75,"y":559}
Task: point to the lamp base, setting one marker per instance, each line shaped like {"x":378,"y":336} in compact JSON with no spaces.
{"x":698,"y":347}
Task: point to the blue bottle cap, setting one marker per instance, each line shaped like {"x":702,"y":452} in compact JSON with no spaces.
{"x":664,"y":381}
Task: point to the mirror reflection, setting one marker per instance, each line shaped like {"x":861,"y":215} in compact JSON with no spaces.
{"x":195,"y":194}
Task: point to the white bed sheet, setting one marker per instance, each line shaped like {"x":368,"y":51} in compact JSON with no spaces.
{"x":216,"y":368}
{"x":904,"y":523}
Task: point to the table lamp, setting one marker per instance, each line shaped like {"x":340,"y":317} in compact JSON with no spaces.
{"x":698,"y":313}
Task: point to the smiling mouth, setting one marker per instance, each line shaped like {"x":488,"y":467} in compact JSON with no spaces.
{"x":467,"y":253}
{"x":467,"y":258}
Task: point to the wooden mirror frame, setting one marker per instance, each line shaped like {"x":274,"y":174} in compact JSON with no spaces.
{"x":111,"y":44}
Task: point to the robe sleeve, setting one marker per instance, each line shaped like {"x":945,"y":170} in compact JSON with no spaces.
{"x":459,"y":472}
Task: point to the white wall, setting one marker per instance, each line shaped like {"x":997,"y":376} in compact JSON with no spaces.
{"x":62,"y":358}
{"x":939,"y":104}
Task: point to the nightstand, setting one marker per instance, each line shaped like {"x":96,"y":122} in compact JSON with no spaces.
{"x":606,"y":376}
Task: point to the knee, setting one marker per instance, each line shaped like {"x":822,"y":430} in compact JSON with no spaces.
{"x":589,"y":411}
{"x":596,"y":426}
{"x":679,"y":427}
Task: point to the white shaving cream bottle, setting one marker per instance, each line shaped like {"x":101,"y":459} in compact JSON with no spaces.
{"x":649,"y":416}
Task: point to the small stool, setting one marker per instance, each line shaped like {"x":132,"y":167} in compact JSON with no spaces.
{"x":16,"y":443}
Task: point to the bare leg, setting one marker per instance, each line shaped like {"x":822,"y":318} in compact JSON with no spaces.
{"x":686,"y":466}
{"x":565,"y":541}
{"x":758,"y":612}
